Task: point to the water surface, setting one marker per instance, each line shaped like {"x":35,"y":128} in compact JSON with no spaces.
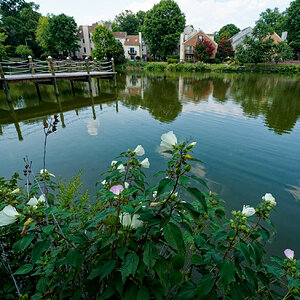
{"x":246,"y":127}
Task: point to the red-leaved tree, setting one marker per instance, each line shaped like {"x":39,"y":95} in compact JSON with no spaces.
{"x":225,"y":50}
{"x":204,"y":50}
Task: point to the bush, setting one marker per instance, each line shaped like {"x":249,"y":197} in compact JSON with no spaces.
{"x":155,"y":66}
{"x":172,"y":61}
{"x":136,"y":240}
{"x":24,"y":51}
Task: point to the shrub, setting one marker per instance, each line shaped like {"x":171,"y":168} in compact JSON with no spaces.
{"x":137,"y":241}
{"x":172,"y":61}
{"x":156,"y":66}
{"x":225,"y":50}
{"x":24,"y":51}
{"x":204,"y":50}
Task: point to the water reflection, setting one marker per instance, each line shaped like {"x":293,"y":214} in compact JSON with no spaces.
{"x":275,"y":98}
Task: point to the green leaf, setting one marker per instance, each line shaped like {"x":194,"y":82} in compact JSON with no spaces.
{"x":205,"y":285}
{"x":183,"y":180}
{"x":24,"y":242}
{"x":160,"y":268}
{"x":178,"y":261}
{"x":199,"y":180}
{"x":103,"y":270}
{"x":150,"y":254}
{"x":245,"y":252}
{"x":173,"y":237}
{"x":278,"y":260}
{"x":74,"y":258}
{"x":164,"y":184}
{"x":175,"y":278}
{"x":292,"y":282}
{"x":143,"y":294}
{"x":187,"y":291}
{"x":38,"y":250}
{"x":24,"y":269}
{"x":199,"y":196}
{"x":121,"y":252}
{"x":197,"y":260}
{"x":48,"y":229}
{"x":42,"y":285}
{"x":127,"y":208}
{"x":226,"y":272}
{"x":129,"y":266}
{"x":275,"y":270}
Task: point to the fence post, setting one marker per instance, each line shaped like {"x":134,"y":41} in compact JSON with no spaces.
{"x":31,"y":65}
{"x":114,"y":70}
{"x":50,"y":66}
{"x":69,"y":64}
{"x":5,"y":85}
{"x":95,"y":64}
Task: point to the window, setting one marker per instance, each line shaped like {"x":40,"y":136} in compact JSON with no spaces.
{"x":84,"y":50}
{"x":128,"y":40}
{"x":118,"y":40}
{"x":131,"y":50}
{"x":200,"y":38}
{"x":83,"y":41}
{"x":136,"y":40}
{"x":132,"y":57}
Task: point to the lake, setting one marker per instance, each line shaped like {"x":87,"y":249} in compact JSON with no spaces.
{"x":246,"y":127}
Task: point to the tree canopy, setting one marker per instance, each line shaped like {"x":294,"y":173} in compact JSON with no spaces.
{"x":126,"y":21}
{"x":57,"y":34}
{"x":162,"y":27}
{"x":226,"y":32}
{"x":293,"y":26}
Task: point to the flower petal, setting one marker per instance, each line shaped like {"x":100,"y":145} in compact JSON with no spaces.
{"x":117,"y":189}
{"x":289,"y":253}
{"x":139,"y":150}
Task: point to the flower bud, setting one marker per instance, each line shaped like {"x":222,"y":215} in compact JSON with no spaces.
{"x":187,"y":168}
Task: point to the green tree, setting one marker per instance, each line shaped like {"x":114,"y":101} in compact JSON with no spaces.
{"x":57,"y":34}
{"x":19,"y":21}
{"x":24,"y":51}
{"x":226,"y":32}
{"x":119,"y":55}
{"x":293,"y":26}
{"x":270,"y":21}
{"x":106,"y":45}
{"x":255,"y":50}
{"x":126,"y":21}
{"x":162,"y":27}
{"x":3,"y":48}
{"x":284,"y":51}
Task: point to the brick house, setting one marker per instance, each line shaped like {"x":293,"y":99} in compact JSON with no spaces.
{"x":189,"y":39}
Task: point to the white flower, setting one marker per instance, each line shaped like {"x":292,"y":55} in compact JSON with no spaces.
{"x":193,"y":144}
{"x":15,"y":191}
{"x":46,"y":172}
{"x":103,"y":182}
{"x":42,"y":198}
{"x":145,"y":163}
{"x":135,"y":222}
{"x":248,"y":211}
{"x":33,"y":201}
{"x":154,"y":194}
{"x":139,"y":150}
{"x":113,"y":163}
{"x":168,"y":140}
{"x":269,"y":197}
{"x":8,"y":215}
{"x":126,"y":184}
{"x":121,"y":168}
{"x":125,"y":219}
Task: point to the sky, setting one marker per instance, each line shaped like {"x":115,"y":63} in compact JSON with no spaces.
{"x":209,"y":15}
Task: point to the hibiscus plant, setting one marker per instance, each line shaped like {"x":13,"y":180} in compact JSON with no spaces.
{"x":170,"y":240}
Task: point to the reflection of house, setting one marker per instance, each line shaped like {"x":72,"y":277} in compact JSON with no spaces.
{"x":134,"y":86}
{"x":189,"y":39}
{"x":85,"y":33}
{"x":195,"y":90}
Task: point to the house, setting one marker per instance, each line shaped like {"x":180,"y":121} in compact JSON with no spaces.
{"x":189,"y":39}
{"x":133,"y":47}
{"x":86,"y":43}
{"x":239,"y":37}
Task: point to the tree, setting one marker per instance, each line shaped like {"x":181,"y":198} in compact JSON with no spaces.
{"x":162,"y":27}
{"x":226,"y":32}
{"x":3,"y":48}
{"x":225,"y":50}
{"x":106,"y":45}
{"x":119,"y":55}
{"x":57,"y":34}
{"x":293,"y":26}
{"x":270,"y":21}
{"x":24,"y":51}
{"x":204,"y":50}
{"x":19,"y":21}
{"x":283,"y":51}
{"x":255,"y":50}
{"x":126,"y":21}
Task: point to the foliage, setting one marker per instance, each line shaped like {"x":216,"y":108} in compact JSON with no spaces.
{"x":43,"y":35}
{"x":283,"y":51}
{"x":162,"y":27}
{"x":172,"y":60}
{"x":19,"y":21}
{"x":225,"y":50}
{"x":24,"y":51}
{"x":127,"y":21}
{"x":293,"y":26}
{"x":203,"y":50}
{"x":106,"y":45}
{"x":226,"y":32}
{"x":255,"y":50}
{"x":3,"y":48}
{"x":138,"y":241}
{"x":270,"y":21}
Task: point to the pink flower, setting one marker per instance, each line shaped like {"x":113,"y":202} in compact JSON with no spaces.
{"x":117,"y":189}
{"x":289,"y":253}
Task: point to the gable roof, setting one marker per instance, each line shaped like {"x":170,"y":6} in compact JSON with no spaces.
{"x":201,"y":32}
{"x":120,"y":34}
{"x":132,"y":40}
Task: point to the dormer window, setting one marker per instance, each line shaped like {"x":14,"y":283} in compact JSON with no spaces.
{"x":128,"y":40}
{"x":200,"y":38}
{"x":136,"y":40}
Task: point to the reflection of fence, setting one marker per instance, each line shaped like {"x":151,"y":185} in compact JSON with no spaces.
{"x":50,"y":71}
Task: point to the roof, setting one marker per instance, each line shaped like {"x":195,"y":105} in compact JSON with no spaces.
{"x":120,"y":35}
{"x":132,"y":40}
{"x":92,"y":27}
{"x":201,"y":31}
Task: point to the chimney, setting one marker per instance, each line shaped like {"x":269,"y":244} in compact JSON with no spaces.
{"x":284,"y":35}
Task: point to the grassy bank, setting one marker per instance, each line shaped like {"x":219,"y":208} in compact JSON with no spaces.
{"x":200,"y":67}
